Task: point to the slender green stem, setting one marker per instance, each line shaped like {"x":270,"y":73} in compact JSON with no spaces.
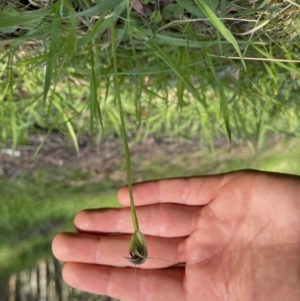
{"x":123,"y":129}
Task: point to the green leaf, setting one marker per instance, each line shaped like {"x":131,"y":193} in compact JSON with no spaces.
{"x":12,"y":19}
{"x":294,"y":3}
{"x":155,"y":16}
{"x":71,"y":37}
{"x":172,"y":11}
{"x":223,"y":6}
{"x":223,"y":101}
{"x":225,"y":112}
{"x":103,"y":23}
{"x":174,"y":66}
{"x":213,"y":4}
{"x":95,"y":110}
{"x":191,"y":8}
{"x":52,"y":52}
{"x":220,"y":27}
{"x":19,"y":40}
{"x":8,"y":29}
{"x":12,"y":13}
{"x":100,"y":8}
{"x":69,"y":125}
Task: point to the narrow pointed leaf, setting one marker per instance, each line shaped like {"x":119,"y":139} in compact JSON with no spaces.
{"x":220,"y":27}
{"x":9,"y":20}
{"x":51,"y":54}
{"x":99,"y":8}
{"x":175,"y":68}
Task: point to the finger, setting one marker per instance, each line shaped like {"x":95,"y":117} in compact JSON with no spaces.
{"x":156,"y":220}
{"x":125,"y":284}
{"x":188,"y":191}
{"x":111,"y":249}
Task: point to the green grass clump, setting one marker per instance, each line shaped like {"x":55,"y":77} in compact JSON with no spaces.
{"x":209,"y":67}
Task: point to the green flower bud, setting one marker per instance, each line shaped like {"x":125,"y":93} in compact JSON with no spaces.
{"x":137,"y":248}
{"x":155,"y":17}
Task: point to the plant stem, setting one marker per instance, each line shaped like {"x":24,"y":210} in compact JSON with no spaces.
{"x":123,"y":130}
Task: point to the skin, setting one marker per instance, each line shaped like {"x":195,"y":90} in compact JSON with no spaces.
{"x":228,"y":237}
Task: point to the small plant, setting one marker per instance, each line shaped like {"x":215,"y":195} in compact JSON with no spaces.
{"x":180,"y":74}
{"x":138,"y":246}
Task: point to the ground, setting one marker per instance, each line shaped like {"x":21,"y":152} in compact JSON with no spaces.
{"x":154,"y":156}
{"x":105,"y":161}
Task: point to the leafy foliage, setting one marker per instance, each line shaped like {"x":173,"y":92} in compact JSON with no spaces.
{"x":178,"y":63}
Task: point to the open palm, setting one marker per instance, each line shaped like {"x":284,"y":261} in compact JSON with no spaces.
{"x":230,"y":237}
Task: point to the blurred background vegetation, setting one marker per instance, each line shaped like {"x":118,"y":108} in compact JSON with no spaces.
{"x":191,"y":106}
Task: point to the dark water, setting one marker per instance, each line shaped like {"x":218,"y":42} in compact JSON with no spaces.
{"x":43,"y":282}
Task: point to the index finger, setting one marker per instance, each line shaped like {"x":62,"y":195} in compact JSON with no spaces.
{"x":189,"y":191}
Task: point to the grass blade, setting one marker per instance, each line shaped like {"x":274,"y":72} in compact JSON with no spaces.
{"x":8,"y":20}
{"x":102,"y":7}
{"x":220,"y":27}
{"x":291,"y":2}
{"x":71,"y":37}
{"x":69,"y":125}
{"x":95,"y":110}
{"x":123,"y":129}
{"x":223,"y":101}
{"x":103,"y":23}
{"x":52,"y":52}
{"x":191,"y":8}
{"x":174,"y":67}
{"x":138,"y":79}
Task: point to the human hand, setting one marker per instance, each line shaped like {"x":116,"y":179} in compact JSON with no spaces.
{"x":237,"y":234}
